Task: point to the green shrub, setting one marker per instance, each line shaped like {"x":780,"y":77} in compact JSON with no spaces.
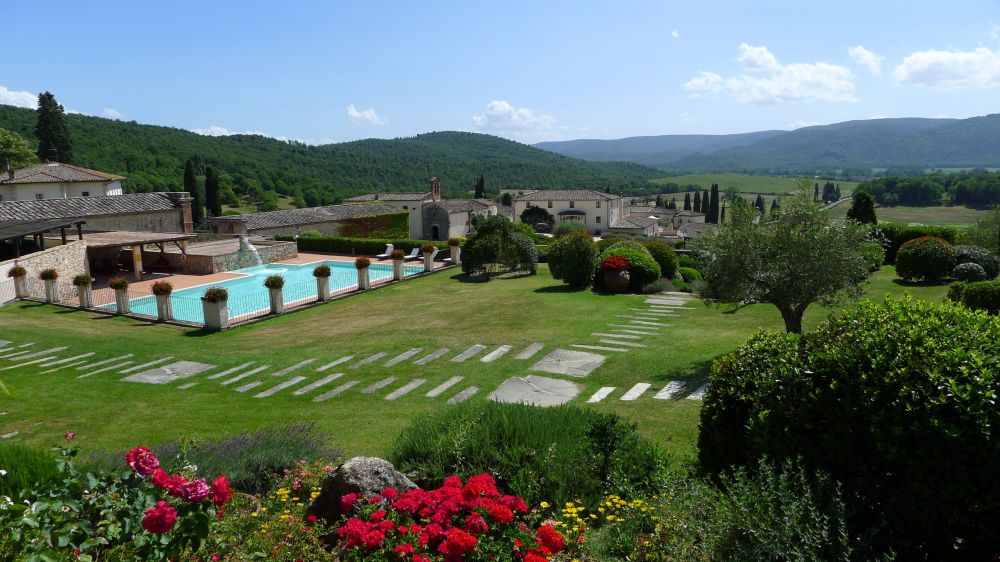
{"x":681,"y":285}
{"x":969,"y":272}
{"x":162,"y":288}
{"x":573,"y":258}
{"x":658,"y":286}
{"x":215,"y":294}
{"x":362,"y":262}
{"x":352,"y":246}
{"x":664,"y":256}
{"x":644,"y":268}
{"x":894,"y":401}
{"x":455,"y":241}
{"x":322,"y":270}
{"x":427,"y":248}
{"x":955,"y":291}
{"x":397,"y":254}
{"x":274,"y":282}
{"x":84,"y":280}
{"x":981,"y":295}
{"x":498,"y":249}
{"x":689,"y":274}
{"x":569,"y":227}
{"x":896,"y":235}
{"x":25,"y":467}
{"x":555,"y":454}
{"x":118,"y":283}
{"x":48,"y":275}
{"x":605,"y":243}
{"x":926,"y":258}
{"x":980,"y":256}
{"x":311,"y":234}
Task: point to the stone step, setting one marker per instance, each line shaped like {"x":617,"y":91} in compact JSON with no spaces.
{"x":625,"y":343}
{"x":698,"y":394}
{"x":145,"y":365}
{"x":67,"y":360}
{"x":105,"y":362}
{"x":332,"y":364}
{"x":369,"y":359}
{"x":186,"y":386}
{"x":601,"y":394}
{"x":314,"y":385}
{"x":597,"y":347}
{"x":230,"y":371}
{"x":428,"y":358}
{"x":403,"y":356}
{"x":294,"y":367}
{"x":378,"y":385}
{"x":636,"y":391}
{"x":279,"y":387}
{"x":496,"y":354}
{"x":244,"y":375}
{"x":249,"y":386}
{"x":669,"y":391}
{"x":650,"y":331}
{"x":468,"y":353}
{"x":104,"y":369}
{"x":620,"y":336}
{"x":464,"y":395}
{"x":61,"y":367}
{"x":405,"y":389}
{"x":529,"y":351}
{"x":439,"y":389}
{"x":330,"y":394}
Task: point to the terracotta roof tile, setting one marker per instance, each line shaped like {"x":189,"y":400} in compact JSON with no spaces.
{"x":53,"y":172}
{"x":74,"y":207}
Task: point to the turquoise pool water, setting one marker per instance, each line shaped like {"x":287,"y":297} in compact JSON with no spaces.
{"x":248,"y":295}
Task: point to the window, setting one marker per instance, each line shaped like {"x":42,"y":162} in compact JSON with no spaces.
{"x":86,"y":194}
{"x":550,"y":204}
{"x":598,"y":204}
{"x":38,"y":196}
{"x":572,"y":204}
{"x":405,"y":208}
{"x":598,"y":220}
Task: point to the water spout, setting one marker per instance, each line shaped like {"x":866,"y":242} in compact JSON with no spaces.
{"x":246,"y":246}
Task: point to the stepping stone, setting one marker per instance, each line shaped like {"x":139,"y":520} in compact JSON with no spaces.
{"x":620,"y":336}
{"x":641,"y":320}
{"x":379,"y":385}
{"x":249,"y":386}
{"x":8,"y":435}
{"x":22,"y":346}
{"x":368,"y":360}
{"x":625,"y":343}
{"x":61,"y":367}
{"x":647,"y":323}
{"x":334,"y":363}
{"x":105,"y":362}
{"x":186,"y":386}
{"x":496,"y":354}
{"x":535,"y":390}
{"x":3,"y":343}
{"x":636,"y":391}
{"x":26,"y":363}
{"x":169,"y":373}
{"x":67,"y":360}
{"x":244,"y":375}
{"x":314,"y":385}
{"x":651,"y":311}
{"x":597,"y":347}
{"x":428,"y":358}
{"x":15,"y":354}
{"x":439,"y":389}
{"x":103,"y":369}
{"x":294,"y":367}
{"x":601,"y":394}
{"x":403,"y":356}
{"x":405,"y":389}
{"x":464,"y":395}
{"x":334,"y":392}
{"x":49,"y":351}
{"x":468,"y":353}
{"x":668,"y":302}
{"x":568,"y":362}
{"x":279,"y":387}
{"x":145,"y":365}
{"x":632,"y":329}
{"x":669,"y":391}
{"x":698,"y":394}
{"x":230,"y":371}
{"x":529,"y":351}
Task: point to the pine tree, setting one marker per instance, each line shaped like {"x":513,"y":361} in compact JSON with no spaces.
{"x":697,"y":201}
{"x":759,"y":203}
{"x":54,"y":140}
{"x":197,"y":193}
{"x":212,"y":201}
{"x":481,"y":188}
{"x":687,"y":201}
{"x":713,"y":205}
{"x":862,"y":209}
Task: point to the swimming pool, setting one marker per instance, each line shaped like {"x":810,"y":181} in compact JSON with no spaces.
{"x":247,"y":294}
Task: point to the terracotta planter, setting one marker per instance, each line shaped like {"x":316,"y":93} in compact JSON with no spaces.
{"x":216,"y":314}
{"x":164,"y":309}
{"x":616,"y":281}
{"x":364,"y":281}
{"x":397,"y":270}
{"x":277,"y":301}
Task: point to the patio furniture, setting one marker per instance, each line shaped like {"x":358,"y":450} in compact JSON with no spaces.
{"x":413,"y":255}
{"x":388,"y":252}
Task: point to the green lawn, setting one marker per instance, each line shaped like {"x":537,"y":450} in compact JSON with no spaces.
{"x":748,"y":184}
{"x":958,"y":217}
{"x":430,"y":312}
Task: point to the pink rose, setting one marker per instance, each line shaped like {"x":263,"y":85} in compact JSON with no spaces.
{"x":195,"y":491}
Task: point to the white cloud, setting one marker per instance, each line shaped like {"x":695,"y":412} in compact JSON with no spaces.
{"x":950,"y":70}
{"x":111,"y":113}
{"x":518,"y":122}
{"x":675,"y":34}
{"x":213,"y":131}
{"x":773,"y":82}
{"x":802,"y":123}
{"x":864,"y":57}
{"x":18,"y":99}
{"x":367,"y":116}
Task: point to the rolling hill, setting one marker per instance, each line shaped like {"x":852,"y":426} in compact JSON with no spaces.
{"x":654,"y":150}
{"x":152,"y":157}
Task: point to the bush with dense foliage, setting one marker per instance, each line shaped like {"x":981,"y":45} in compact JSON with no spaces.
{"x":428,"y":248}
{"x":497,"y":249}
{"x":363,"y":262}
{"x":895,"y":401}
{"x":977,"y":295}
{"x":572,"y":259}
{"x":895,"y":235}
{"x":84,"y":280}
{"x":48,"y":275}
{"x":162,"y":288}
{"x":24,"y":467}
{"x":274,"y":282}
{"x":352,"y":246}
{"x":455,"y":241}
{"x":118,"y":283}
{"x":397,"y":254}
{"x":927,"y":258}
{"x":215,"y":294}
{"x":17,"y":271}
{"x":664,"y":255}
{"x":322,"y":271}
{"x":689,"y":274}
{"x":688,"y":261}
{"x":980,"y":256}
{"x":556,"y":454}
{"x":969,"y":272}
{"x":644,"y":269}
{"x":569,"y":227}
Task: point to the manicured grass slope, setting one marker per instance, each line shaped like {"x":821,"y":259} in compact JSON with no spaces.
{"x":957,"y":217}
{"x":432,"y":312}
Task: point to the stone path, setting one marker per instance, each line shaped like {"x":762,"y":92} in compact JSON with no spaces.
{"x":464,"y":395}
{"x":279,"y":387}
{"x":379,"y":385}
{"x":34,"y":355}
{"x":535,"y":390}
{"x":334,"y":363}
{"x":370,"y":359}
{"x":336,"y":391}
{"x":145,"y":365}
{"x":625,"y":343}
{"x":636,"y":391}
{"x":104,"y":369}
{"x":428,"y":358}
{"x":405,"y":389}
{"x":669,"y":391}
{"x":169,"y":373}
{"x":529,"y":351}
{"x":598,"y":347}
{"x":249,"y":386}
{"x":403,"y":356}
{"x":105,"y":362}
{"x":244,"y":375}
{"x":439,"y":389}
{"x":294,"y":367}
{"x":568,"y":362}
{"x":601,"y":394}
{"x":230,"y":371}
{"x":40,"y":357}
{"x":496,"y":354}
{"x":468,"y":353}
{"x":314,"y":385}
{"x":67,"y":360}
{"x":698,"y":394}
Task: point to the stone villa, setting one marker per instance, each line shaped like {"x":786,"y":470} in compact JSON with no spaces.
{"x":53,"y":180}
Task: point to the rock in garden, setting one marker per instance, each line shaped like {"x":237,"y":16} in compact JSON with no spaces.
{"x":365,"y":475}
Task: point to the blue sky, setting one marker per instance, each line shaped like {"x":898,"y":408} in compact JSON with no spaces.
{"x":531,"y":71}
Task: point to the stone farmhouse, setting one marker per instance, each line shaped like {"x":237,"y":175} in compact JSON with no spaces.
{"x":331,"y":220}
{"x":53,"y":180}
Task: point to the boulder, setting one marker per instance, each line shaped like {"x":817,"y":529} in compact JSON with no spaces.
{"x":364,"y":475}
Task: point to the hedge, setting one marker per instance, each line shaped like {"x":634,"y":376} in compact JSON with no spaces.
{"x":357,"y":246}
{"x":573,"y":258}
{"x":664,"y":255}
{"x":897,"y":234}
{"x":977,"y":295}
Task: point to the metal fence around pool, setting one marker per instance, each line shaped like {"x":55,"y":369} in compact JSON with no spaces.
{"x":248,"y":307}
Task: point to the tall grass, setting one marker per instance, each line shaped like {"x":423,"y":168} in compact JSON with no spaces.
{"x":25,"y":467}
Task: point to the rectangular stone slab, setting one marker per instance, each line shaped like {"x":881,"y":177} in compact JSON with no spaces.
{"x":379,"y":385}
{"x":67,"y":360}
{"x":403,"y":356}
{"x":105,"y":362}
{"x":529,"y":351}
{"x":103,"y":369}
{"x":496,"y":354}
{"x":625,"y":343}
{"x":294,"y":367}
{"x":170,"y":373}
{"x":279,"y":387}
{"x":314,"y":385}
{"x":336,"y":391}
{"x":34,"y":361}
{"x":669,"y":391}
{"x":370,"y":359}
{"x":468,"y":353}
{"x":405,"y":389}
{"x":650,"y":331}
{"x":186,"y":386}
{"x":249,"y":386}
{"x":464,"y":395}
{"x":636,"y":391}
{"x":619,"y":336}
{"x":334,"y":363}
{"x":42,"y":353}
{"x":668,"y":302}
{"x":144,"y":365}
{"x":61,"y":367}
{"x":647,"y":323}
{"x":428,"y":358}
{"x":230,"y":371}
{"x":535,"y":390}
{"x":569,"y":362}
{"x":242,"y":376}
{"x":439,"y":389}
{"x":601,"y":394}
{"x":597,"y":347}
{"x":698,"y":394}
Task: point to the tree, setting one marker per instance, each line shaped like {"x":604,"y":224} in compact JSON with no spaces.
{"x":212,"y":201}
{"x":862,"y":208}
{"x":759,"y":204}
{"x":697,"y":201}
{"x":673,"y":203}
{"x":687,"y":201}
{"x":713,"y":205}
{"x":816,"y":193}
{"x":197,"y":193}
{"x":775,"y":208}
{"x":54,"y":140}
{"x":506,"y":200}
{"x":722,"y":214}
{"x":15,"y":151}
{"x":803,"y":256}
{"x":481,"y":188}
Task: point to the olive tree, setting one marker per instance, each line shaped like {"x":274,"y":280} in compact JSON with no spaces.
{"x":791,"y":261}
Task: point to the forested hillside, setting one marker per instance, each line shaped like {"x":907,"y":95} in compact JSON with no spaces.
{"x":152,"y":157}
{"x":975,"y":188}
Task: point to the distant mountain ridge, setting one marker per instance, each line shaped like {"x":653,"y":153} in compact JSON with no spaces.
{"x":865,"y":144}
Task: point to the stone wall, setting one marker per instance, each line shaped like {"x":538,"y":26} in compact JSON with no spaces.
{"x":153,"y":221}
{"x":69,"y":260}
{"x":268,"y":253}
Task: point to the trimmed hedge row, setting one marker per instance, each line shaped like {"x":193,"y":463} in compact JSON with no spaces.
{"x":898,"y":234}
{"x":359,"y":246}
{"x":977,"y":295}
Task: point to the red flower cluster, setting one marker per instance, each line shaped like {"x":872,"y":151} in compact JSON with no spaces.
{"x":616,"y":263}
{"x":142,"y":461}
{"x":443,"y":524}
{"x":159,"y":519}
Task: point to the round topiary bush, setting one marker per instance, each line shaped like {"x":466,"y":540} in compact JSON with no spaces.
{"x":17,"y":271}
{"x":569,"y":227}
{"x":926,"y":258}
{"x":689,"y":274}
{"x":895,"y":401}
{"x":969,"y":272}
{"x":82,"y":280}
{"x":162,"y":288}
{"x":644,"y":268}
{"x":274,"y":282}
{"x":664,"y":255}
{"x":48,"y":275}
{"x":572,"y":258}
{"x":427,"y":248}
{"x":322,"y":271}
{"x":980,"y":256}
{"x":455,"y":241}
{"x":363,"y":262}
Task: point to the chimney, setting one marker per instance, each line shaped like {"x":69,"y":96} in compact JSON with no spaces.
{"x":435,"y":189}
{"x":5,"y":167}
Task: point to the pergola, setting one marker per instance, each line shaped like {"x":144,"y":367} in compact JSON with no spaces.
{"x":136,"y":240}
{"x":17,"y":230}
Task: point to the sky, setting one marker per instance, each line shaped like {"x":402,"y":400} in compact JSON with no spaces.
{"x":331,"y":71}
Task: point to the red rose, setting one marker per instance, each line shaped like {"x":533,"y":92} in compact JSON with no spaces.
{"x":475,"y":524}
{"x":421,"y":558}
{"x":390,"y":494}
{"x":159,"y":519}
{"x":347,"y":502}
{"x":142,"y":461}
{"x":550,"y":539}
{"x":534,"y":557}
{"x":311,"y":519}
{"x":221,"y":491}
{"x":403,"y":550}
{"x":174,"y":485}
{"x":160,"y":478}
{"x":69,"y":435}
{"x":195,"y":491}
{"x":457,"y":542}
{"x":377,"y":516}
{"x":501,"y":514}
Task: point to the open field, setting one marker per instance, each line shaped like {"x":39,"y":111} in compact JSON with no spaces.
{"x":958,"y":217}
{"x":430,"y":313}
{"x":748,"y":184}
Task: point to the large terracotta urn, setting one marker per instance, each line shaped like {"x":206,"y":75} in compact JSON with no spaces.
{"x":615,"y":280}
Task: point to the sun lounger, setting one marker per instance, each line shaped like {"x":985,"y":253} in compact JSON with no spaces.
{"x":413,"y":255}
{"x":388,"y":252}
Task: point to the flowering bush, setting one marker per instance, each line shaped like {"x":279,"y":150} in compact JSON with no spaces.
{"x":82,"y":280}
{"x":17,"y":271}
{"x":215,"y":294}
{"x":455,"y":241}
{"x":363,"y":262}
{"x":470,"y":521}
{"x":118,"y":283}
{"x":616,"y":263}
{"x":321,"y":271}
{"x":427,"y":248}
{"x":48,"y":275}
{"x":162,"y":288}
{"x":274,"y":282}
{"x":398,"y":254}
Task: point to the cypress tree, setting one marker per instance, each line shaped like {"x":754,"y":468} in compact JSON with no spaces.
{"x":212,"y":193}
{"x":481,"y":188}
{"x":506,"y":200}
{"x":197,"y":193}
{"x":775,"y":208}
{"x":722,"y":214}
{"x":816,"y":193}
{"x":862,"y":208}
{"x":759,"y":203}
{"x":713,"y":206}
{"x":54,"y":140}
{"x":697,"y":201}
{"x":673,"y":203}
{"x":687,"y":201}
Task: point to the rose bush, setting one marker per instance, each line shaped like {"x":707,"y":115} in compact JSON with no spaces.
{"x":616,"y":263}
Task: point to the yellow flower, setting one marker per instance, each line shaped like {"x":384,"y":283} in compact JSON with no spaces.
{"x":544,"y":505}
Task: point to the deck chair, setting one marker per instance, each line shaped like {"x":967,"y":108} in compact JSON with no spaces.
{"x":388,"y":252}
{"x":413,"y":255}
